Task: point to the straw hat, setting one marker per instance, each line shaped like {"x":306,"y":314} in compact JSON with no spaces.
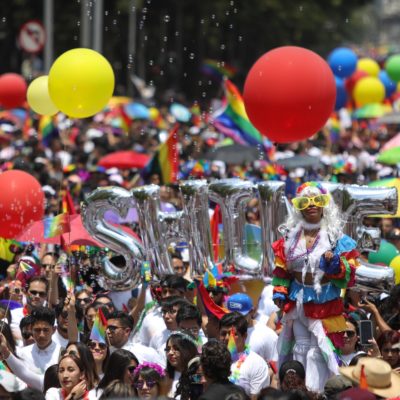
{"x":381,"y":379}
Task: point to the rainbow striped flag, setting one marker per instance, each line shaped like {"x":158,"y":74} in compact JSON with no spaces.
{"x":47,"y":129}
{"x":25,"y":267}
{"x":165,"y":161}
{"x":217,"y":69}
{"x":233,"y":121}
{"x":98,"y":332}
{"x":55,"y":226}
{"x":232,"y":346}
{"x":209,"y":279}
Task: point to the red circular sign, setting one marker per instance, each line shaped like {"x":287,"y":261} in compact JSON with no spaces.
{"x":32,"y":36}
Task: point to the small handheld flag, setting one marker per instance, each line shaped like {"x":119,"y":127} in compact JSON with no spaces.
{"x":363,"y":379}
{"x":65,"y":274}
{"x":232,"y":346}
{"x":55,"y":226}
{"x":98,"y":332}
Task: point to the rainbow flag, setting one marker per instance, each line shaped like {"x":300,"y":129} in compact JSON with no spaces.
{"x":55,"y":226}
{"x":47,"y":129}
{"x":233,"y":121}
{"x":68,"y":206}
{"x":217,"y":69}
{"x":232,"y":346}
{"x":98,"y":332}
{"x":208,"y":303}
{"x":209,"y":279}
{"x":165,"y":161}
{"x":25,"y":267}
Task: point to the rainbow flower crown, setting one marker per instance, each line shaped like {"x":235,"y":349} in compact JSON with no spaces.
{"x":160,"y":370}
{"x":311,"y":184}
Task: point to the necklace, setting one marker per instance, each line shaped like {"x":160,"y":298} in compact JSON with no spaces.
{"x":291,"y":257}
{"x":234,"y":378}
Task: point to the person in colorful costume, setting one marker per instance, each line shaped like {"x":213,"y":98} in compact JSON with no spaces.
{"x":314,"y":261}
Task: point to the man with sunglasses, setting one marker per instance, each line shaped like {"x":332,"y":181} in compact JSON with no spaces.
{"x":33,"y":360}
{"x":36,"y":296}
{"x":314,"y":262}
{"x":119,"y":329}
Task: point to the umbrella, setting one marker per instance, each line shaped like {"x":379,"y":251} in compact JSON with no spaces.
{"x":124,"y":160}
{"x":393,"y":142}
{"x":391,"y":118}
{"x":301,"y":161}
{"x":373,"y":110}
{"x":390,"y":157}
{"x":389,"y":182}
{"x":77,"y":236}
{"x":234,"y":154}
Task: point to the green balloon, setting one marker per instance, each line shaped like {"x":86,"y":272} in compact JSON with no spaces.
{"x":392,"y":67}
{"x":384,"y":255}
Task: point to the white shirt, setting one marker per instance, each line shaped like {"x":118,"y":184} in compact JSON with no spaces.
{"x":153,"y":323}
{"x":263,"y":341}
{"x":253,"y":374}
{"x":266,"y":306}
{"x":142,"y":353}
{"x":159,"y":341}
{"x":39,"y":360}
{"x":177,"y":376}
{"x":16,"y":315}
{"x":57,"y":338}
{"x":55,"y":394}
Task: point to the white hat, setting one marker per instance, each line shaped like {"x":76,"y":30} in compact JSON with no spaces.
{"x":10,"y":382}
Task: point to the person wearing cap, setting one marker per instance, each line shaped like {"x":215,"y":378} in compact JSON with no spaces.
{"x":260,"y":338}
{"x":248,"y":369}
{"x":374,"y":375}
{"x":314,"y":262}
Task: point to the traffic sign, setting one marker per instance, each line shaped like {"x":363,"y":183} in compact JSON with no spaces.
{"x":32,"y":36}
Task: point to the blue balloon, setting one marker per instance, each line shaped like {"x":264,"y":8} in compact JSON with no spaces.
{"x":137,"y":111}
{"x":390,"y":86}
{"x":180,"y":112}
{"x":343,"y":62}
{"x":341,"y":93}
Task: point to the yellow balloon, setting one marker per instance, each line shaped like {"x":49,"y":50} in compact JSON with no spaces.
{"x":368,"y":90}
{"x":81,"y":82}
{"x":38,"y":97}
{"x":395,"y":265}
{"x":368,"y":65}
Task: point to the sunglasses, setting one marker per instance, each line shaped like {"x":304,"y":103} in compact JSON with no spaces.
{"x":392,"y":350}
{"x":86,"y":300}
{"x":301,"y":203}
{"x":140,"y":384}
{"x":50,"y":266}
{"x":132,"y":368}
{"x":94,"y":345}
{"x":69,"y":353}
{"x":36,"y":293}
{"x":350,"y":334}
{"x":113,"y":328}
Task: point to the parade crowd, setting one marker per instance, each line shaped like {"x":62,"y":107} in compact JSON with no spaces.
{"x":298,"y":338}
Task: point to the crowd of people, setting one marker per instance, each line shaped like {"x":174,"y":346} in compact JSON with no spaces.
{"x":299,"y":338}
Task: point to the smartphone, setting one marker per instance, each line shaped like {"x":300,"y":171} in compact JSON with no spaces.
{"x":366,"y":332}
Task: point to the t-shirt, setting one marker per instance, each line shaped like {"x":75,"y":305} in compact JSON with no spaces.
{"x":253,"y":374}
{"x":263,"y":340}
{"x":152,"y":323}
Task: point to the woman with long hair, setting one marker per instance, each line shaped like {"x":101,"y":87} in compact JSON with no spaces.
{"x":101,"y":354}
{"x":147,"y":381}
{"x":121,"y":366}
{"x":83,"y":352}
{"x":180,"y":349}
{"x":74,"y":380}
{"x":314,"y":262}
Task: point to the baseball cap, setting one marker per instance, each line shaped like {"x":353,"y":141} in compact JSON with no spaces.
{"x":10,"y":382}
{"x":240,"y":302}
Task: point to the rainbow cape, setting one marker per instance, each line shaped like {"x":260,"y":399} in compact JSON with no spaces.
{"x":98,"y":332}
{"x":55,"y":226}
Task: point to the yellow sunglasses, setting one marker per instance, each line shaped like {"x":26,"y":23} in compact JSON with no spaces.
{"x":301,"y":203}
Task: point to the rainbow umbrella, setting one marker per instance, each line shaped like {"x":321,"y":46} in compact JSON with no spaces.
{"x":373,"y":110}
{"x":389,"y":182}
{"x":390,"y":157}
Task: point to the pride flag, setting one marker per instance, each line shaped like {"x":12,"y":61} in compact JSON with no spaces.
{"x":68,"y":206}
{"x":232,"y":346}
{"x":165,"y":161}
{"x":25,"y":267}
{"x":55,"y":226}
{"x":98,"y":332}
{"x":233,"y":121}
{"x":209,"y":304}
{"x":217,"y":69}
{"x":47,"y":129}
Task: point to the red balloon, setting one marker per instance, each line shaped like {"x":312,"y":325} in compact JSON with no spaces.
{"x":12,"y":90}
{"x":21,"y":202}
{"x":351,"y":82}
{"x":289,"y":94}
